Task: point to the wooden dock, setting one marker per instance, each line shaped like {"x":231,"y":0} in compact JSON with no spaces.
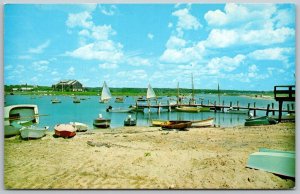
{"x":217,"y":107}
{"x":281,"y":94}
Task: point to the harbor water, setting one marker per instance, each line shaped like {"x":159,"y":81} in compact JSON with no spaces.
{"x":89,"y":108}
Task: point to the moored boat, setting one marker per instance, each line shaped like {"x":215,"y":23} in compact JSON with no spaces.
{"x":55,"y":101}
{"x":33,"y":132}
{"x":65,"y":130}
{"x":119,"y":100}
{"x":180,"y":125}
{"x":105,"y":94}
{"x":129,"y":121}
{"x":158,"y":122}
{"x":23,"y":114}
{"x":101,"y":122}
{"x":274,"y":161}
{"x":192,"y":109}
{"x":236,"y":111}
{"x":264,"y":120}
{"x":76,"y":100}
{"x":80,"y":127}
{"x":119,"y":110}
{"x":12,"y":129}
{"x":203,"y":123}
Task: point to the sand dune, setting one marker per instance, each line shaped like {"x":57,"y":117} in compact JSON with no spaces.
{"x":146,"y":158}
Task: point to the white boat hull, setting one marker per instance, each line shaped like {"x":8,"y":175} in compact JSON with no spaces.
{"x":80,"y":127}
{"x":33,"y":132}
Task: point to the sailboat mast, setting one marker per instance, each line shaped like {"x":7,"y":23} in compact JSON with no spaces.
{"x":193,"y":88}
{"x":219,"y":93}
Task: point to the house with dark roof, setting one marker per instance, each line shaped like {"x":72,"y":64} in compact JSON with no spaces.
{"x":68,"y":85}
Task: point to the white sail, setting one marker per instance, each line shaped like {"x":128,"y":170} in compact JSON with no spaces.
{"x":150,"y":92}
{"x":105,"y":95}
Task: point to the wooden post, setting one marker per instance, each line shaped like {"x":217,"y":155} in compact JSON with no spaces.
{"x":292,"y":106}
{"x":248,"y":108}
{"x":237,"y":104}
{"x":280,"y":110}
{"x":268,"y":109}
{"x":273,"y":111}
{"x":208,"y":102}
{"x":201,"y":102}
{"x":230,"y":104}
{"x":288,"y":108}
{"x":223,"y":106}
{"x":215,"y":104}
{"x":254,"y":110}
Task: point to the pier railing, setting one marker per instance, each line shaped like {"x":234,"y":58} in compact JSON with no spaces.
{"x":284,"y":93}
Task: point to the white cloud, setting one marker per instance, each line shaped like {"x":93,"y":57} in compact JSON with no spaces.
{"x":241,"y":14}
{"x":175,"y":42}
{"x":150,"y":36}
{"x":222,"y":38}
{"x":71,"y":71}
{"x":271,"y":54}
{"x":54,"y":73}
{"x":284,"y":18}
{"x":79,"y":20}
{"x":108,"y":66}
{"x":138,"y":61}
{"x":186,"y":21}
{"x":39,"y":49}
{"x":108,"y":10}
{"x":103,"y":51}
{"x":252,"y":71}
{"x":227,"y":64}
{"x":102,"y":32}
{"x":170,"y":25}
{"x":183,"y":55}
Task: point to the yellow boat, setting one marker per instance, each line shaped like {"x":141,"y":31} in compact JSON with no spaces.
{"x":192,"y":109}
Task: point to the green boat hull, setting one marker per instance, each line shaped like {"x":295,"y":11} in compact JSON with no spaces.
{"x":274,"y":161}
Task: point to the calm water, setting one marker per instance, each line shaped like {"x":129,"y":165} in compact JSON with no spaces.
{"x":89,"y":109}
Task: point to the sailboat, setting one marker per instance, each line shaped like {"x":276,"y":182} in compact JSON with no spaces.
{"x":192,"y":102}
{"x":105,"y":95}
{"x":150,"y":92}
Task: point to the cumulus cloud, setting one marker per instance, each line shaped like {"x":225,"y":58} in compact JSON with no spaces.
{"x":81,"y":19}
{"x":134,"y":75}
{"x":175,"y":42}
{"x":183,"y":55}
{"x":103,"y":51}
{"x":39,"y":49}
{"x":186,"y":21}
{"x":271,"y":54}
{"x":227,"y":64}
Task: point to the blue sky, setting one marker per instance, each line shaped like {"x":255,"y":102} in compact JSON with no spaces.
{"x":240,"y":46}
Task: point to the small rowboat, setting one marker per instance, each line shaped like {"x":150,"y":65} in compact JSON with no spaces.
{"x":80,"y":127}
{"x":264,"y":120}
{"x":129,"y":121}
{"x":158,"y":123}
{"x":274,"y":161}
{"x":203,"y":123}
{"x":192,"y":109}
{"x":33,"y":132}
{"x":65,"y":130}
{"x":101,"y":122}
{"x":181,"y":125}
{"x":118,"y":110}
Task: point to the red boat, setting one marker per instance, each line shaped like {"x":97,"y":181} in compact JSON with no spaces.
{"x":65,"y":130}
{"x":180,"y":125}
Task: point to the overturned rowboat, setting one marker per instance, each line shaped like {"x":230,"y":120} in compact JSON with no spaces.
{"x":65,"y":130}
{"x":274,"y":161}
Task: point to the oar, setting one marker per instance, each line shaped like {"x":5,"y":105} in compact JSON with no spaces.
{"x":19,"y":118}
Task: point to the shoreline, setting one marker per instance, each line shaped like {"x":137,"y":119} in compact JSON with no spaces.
{"x":147,"y":158}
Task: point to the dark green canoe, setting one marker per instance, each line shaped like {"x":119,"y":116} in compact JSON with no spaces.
{"x":264,"y":120}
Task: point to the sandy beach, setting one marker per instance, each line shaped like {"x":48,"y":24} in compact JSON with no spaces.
{"x":146,"y":158}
